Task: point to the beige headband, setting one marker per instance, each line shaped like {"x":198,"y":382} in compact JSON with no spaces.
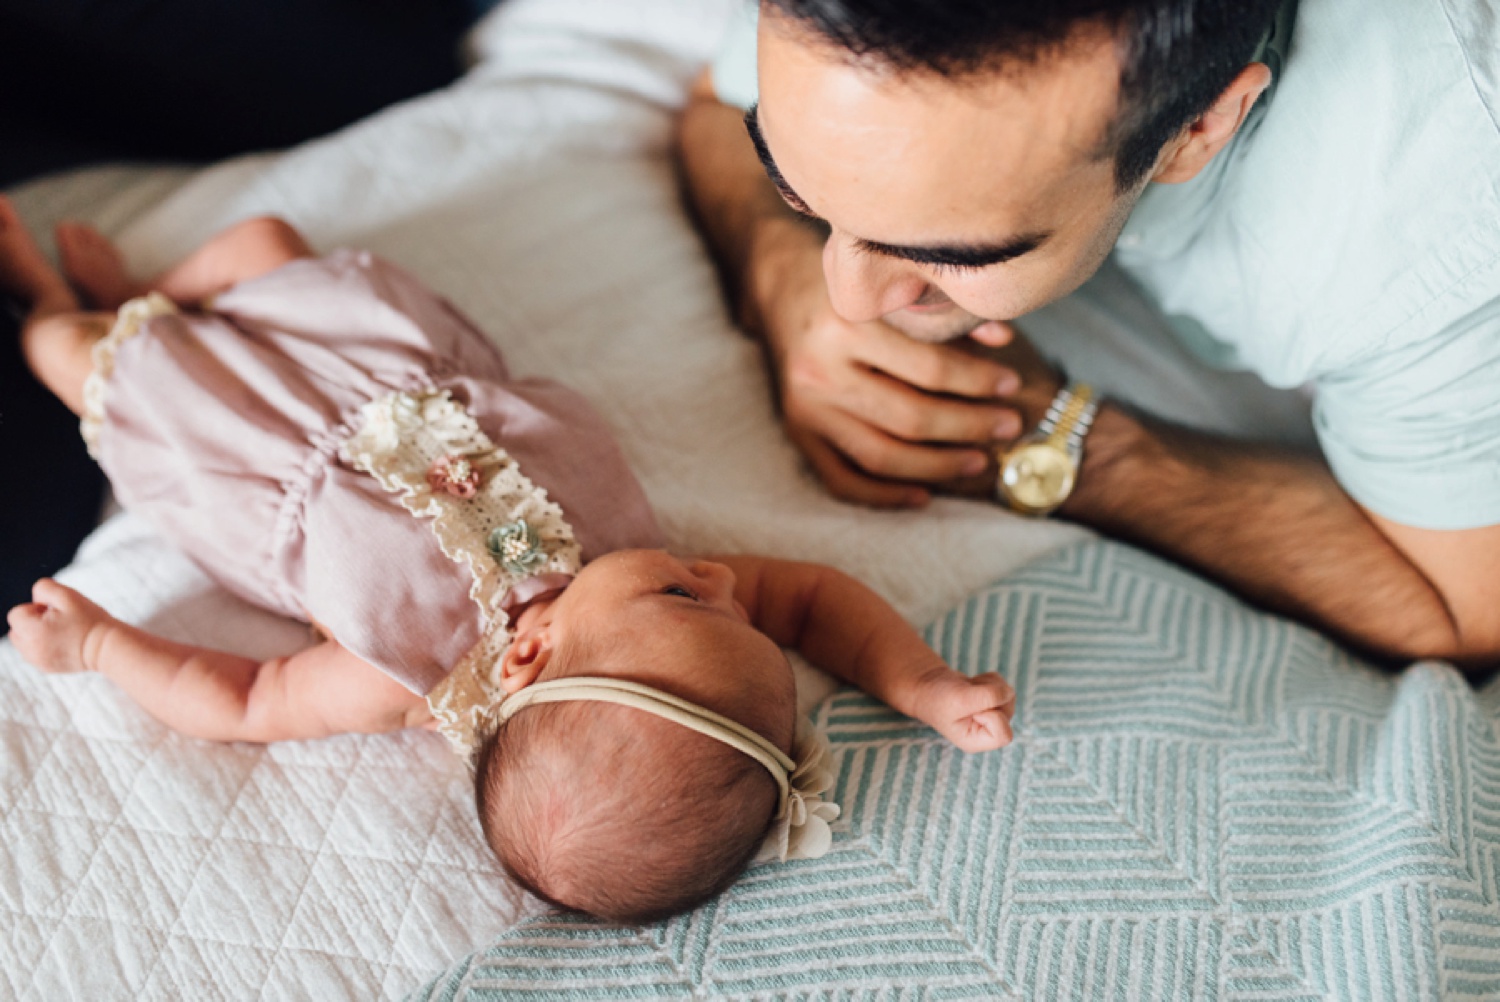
{"x":801,"y":825}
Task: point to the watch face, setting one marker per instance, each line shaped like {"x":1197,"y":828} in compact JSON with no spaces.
{"x":1037,"y":476}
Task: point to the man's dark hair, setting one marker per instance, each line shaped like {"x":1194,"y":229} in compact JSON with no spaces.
{"x":1176,"y":56}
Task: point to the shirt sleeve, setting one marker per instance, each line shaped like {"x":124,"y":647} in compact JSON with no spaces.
{"x":1413,"y":433}
{"x":733,"y":72}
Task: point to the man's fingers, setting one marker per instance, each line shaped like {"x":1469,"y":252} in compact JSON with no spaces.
{"x":847,"y":482}
{"x":882,"y":455}
{"x":916,"y":416}
{"x":936,"y":368}
{"x":993,"y":333}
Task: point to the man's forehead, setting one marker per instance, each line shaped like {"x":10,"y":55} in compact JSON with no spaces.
{"x":865,"y":146}
{"x":1071,"y":92}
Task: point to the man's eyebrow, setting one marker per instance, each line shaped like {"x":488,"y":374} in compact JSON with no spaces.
{"x":942,"y":255}
{"x":752,"y":126}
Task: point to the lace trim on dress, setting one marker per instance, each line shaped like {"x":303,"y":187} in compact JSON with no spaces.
{"x":497,"y":523}
{"x":128,"y":323}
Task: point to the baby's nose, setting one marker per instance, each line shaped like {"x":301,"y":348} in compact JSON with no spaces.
{"x":718,"y":575}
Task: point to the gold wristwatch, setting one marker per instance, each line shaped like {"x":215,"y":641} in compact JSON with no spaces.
{"x":1038,"y":472}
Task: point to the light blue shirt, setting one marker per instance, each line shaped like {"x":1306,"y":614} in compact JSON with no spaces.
{"x":1347,"y":240}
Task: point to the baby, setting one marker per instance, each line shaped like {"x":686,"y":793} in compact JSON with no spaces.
{"x":330,"y":440}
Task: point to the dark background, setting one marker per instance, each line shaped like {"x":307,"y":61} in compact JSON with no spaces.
{"x":89,"y":81}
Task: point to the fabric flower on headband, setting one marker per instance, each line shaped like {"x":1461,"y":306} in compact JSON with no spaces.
{"x":803,"y":829}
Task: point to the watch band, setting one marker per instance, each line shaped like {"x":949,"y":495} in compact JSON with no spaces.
{"x":1069,"y":417}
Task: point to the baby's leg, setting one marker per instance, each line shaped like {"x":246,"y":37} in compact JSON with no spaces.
{"x":56,"y":338}
{"x":244,"y":251}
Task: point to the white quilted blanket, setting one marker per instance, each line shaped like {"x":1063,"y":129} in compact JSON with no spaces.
{"x":537,"y":194}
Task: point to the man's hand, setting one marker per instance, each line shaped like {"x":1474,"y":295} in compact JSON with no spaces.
{"x":882,"y":418}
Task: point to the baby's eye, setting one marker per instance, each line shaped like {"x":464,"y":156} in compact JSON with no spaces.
{"x":679,"y":591}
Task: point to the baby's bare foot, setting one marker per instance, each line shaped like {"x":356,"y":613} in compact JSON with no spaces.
{"x":94,"y":265}
{"x":53,"y":631}
{"x":25,"y":271}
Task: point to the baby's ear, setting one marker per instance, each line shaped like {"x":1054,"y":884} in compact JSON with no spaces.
{"x":524,"y":659}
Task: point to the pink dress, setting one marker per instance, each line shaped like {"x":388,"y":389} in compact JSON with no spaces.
{"x":230,"y":431}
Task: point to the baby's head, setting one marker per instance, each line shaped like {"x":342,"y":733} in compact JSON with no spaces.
{"x":612,"y":810}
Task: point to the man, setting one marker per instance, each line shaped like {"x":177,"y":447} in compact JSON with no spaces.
{"x":1312,"y":194}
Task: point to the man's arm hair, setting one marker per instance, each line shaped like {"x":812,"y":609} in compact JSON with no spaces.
{"x":1277,"y":527}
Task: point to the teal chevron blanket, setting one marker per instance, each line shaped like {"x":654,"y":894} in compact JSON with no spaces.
{"x":1202,"y":801}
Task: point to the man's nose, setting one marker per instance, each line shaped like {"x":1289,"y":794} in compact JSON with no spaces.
{"x":864,"y":286}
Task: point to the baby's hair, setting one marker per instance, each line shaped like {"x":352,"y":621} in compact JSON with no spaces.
{"x":606,"y":810}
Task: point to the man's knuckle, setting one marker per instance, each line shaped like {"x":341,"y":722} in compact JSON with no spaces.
{"x":835,"y":477}
{"x":799,"y":371}
{"x":865,"y":452}
{"x":928,"y":369}
{"x":838,"y":335}
{"x":910,"y":419}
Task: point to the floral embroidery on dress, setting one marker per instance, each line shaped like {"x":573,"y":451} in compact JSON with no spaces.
{"x":454,"y":475}
{"x":516,"y":547}
{"x":427,"y":448}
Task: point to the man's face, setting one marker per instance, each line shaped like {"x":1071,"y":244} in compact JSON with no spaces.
{"x":949,"y":201}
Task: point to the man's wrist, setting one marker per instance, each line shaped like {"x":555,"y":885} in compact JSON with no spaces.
{"x":778,"y":249}
{"x":1116,"y":443}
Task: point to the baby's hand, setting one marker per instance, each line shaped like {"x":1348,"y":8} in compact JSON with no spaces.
{"x":974,"y":713}
{"x":52,"y":630}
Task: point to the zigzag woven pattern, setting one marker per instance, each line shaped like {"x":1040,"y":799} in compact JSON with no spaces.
{"x":1203,"y":801}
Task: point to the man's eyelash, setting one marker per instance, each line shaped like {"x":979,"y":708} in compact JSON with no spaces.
{"x":936,"y":267}
{"x":948,"y":268}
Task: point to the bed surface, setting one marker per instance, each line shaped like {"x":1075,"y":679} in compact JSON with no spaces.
{"x":1202,"y":802}
{"x":538,"y":194}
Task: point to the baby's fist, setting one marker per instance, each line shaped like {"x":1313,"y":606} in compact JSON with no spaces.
{"x":52,"y":630}
{"x":972,"y":712}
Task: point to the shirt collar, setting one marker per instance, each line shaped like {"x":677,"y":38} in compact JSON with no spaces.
{"x":1169,"y":216}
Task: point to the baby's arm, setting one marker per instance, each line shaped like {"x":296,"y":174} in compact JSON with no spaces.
{"x":845,"y":628}
{"x":208,"y":694}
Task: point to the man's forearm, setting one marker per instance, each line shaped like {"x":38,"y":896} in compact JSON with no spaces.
{"x":1273,"y":525}
{"x":735,"y":205}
